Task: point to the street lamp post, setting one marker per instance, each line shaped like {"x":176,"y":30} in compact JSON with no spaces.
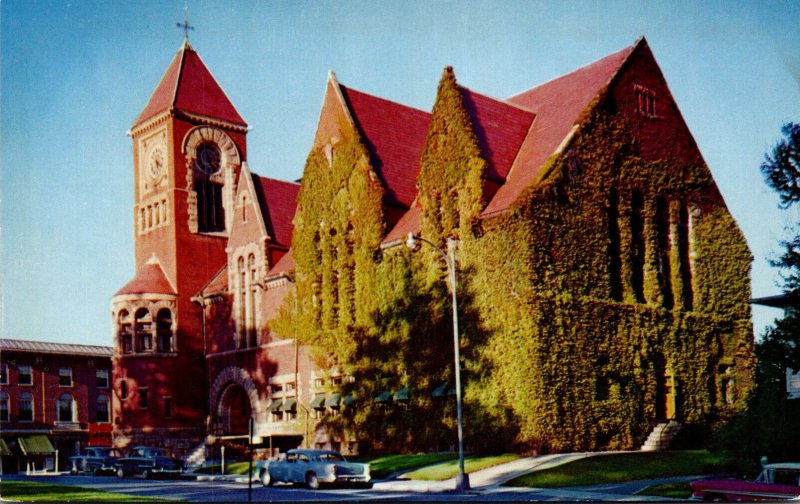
{"x":412,"y":242}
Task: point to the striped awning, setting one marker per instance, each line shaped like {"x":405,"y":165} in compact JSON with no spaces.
{"x":318,"y":402}
{"x":290,"y":404}
{"x":333,"y":401}
{"x":275,"y":406}
{"x":36,"y":445}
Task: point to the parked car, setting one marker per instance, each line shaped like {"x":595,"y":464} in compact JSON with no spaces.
{"x":148,"y":462}
{"x":96,"y":460}
{"x":779,"y":481}
{"x":312,"y":467}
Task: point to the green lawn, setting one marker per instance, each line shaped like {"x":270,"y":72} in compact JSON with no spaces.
{"x":671,"y":490}
{"x":447,"y":470}
{"x":623,"y":467}
{"x":382,"y":467}
{"x":35,"y":491}
{"x":232,"y":468}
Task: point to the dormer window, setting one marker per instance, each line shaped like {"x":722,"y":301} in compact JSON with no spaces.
{"x":645,"y":101}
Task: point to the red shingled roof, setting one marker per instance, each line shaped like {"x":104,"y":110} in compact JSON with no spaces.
{"x":149,"y":279}
{"x":500,"y":128}
{"x":278,"y":201}
{"x":410,"y":222}
{"x":284,"y":265}
{"x":557,"y":104}
{"x":395,"y":135}
{"x":188,"y":86}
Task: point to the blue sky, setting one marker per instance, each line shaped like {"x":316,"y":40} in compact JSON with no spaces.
{"x":74,"y":75}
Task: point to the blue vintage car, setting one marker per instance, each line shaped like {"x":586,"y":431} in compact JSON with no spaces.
{"x":312,"y":467}
{"x":96,"y":460}
{"x":147,"y":462}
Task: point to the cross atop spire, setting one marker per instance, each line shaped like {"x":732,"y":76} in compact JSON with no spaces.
{"x":185,"y":25}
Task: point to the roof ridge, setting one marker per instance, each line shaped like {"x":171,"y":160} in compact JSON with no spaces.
{"x":384,"y":99}
{"x":17,"y":340}
{"x":499,"y":100}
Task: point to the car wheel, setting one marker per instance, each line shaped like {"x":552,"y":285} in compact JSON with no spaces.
{"x":265,"y":478}
{"x":74,"y":470}
{"x":145,"y":473}
{"x":120,"y":473}
{"x":312,"y":481}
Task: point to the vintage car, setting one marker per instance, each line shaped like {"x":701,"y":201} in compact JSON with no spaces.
{"x":147,"y":462}
{"x":312,"y":467}
{"x":779,"y":481}
{"x":96,"y":460}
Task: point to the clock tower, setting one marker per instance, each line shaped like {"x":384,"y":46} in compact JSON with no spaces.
{"x":189,"y":143}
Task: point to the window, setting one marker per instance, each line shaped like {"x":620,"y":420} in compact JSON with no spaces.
{"x":25,"y":375}
{"x":637,"y":245}
{"x":210,"y":213}
{"x":125,"y":332}
{"x":684,"y":257}
{"x":319,"y":382}
{"x":25,"y":407}
{"x":289,"y":386}
{"x":65,"y":377}
{"x":645,"y":101}
{"x":614,"y":260}
{"x":336,"y":381}
{"x":3,"y":374}
{"x":663,"y":257}
{"x":251,"y":302}
{"x":240,"y":303}
{"x":164,"y":330}
{"x":144,"y":330}
{"x":66,"y":408}
{"x":167,"y":407}
{"x":101,"y":380}
{"x":101,"y":409}
{"x":4,"y":407}
{"x":244,"y":208}
{"x":123,"y":390}
{"x":143,"y":398}
{"x":277,"y":388}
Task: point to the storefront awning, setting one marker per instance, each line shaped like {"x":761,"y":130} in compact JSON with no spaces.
{"x":384,"y":396}
{"x":402,"y":394}
{"x":275,"y":406}
{"x":36,"y":445}
{"x":290,"y":404}
{"x":318,"y":402}
{"x":348,"y":400}
{"x":333,"y":401}
{"x":4,"y":450}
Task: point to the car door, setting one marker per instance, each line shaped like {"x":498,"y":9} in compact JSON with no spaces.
{"x":301,"y":468}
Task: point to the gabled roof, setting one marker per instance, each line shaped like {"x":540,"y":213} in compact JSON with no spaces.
{"x":149,"y":279}
{"x":395,"y":135}
{"x":410,"y":222}
{"x":278,"y":202}
{"x":282,"y":267}
{"x":46,"y":347}
{"x":500,"y":128}
{"x":557,"y":104}
{"x":188,"y":86}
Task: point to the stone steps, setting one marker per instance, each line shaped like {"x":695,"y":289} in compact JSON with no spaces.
{"x":661,"y":436}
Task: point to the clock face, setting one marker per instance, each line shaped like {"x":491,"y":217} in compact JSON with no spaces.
{"x":156,"y":163}
{"x":209,"y":158}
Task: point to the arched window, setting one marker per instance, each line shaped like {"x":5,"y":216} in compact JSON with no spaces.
{"x":5,"y":407}
{"x":66,"y":408}
{"x":101,"y":409}
{"x":164,"y":330}
{"x":25,"y":411}
{"x":125,"y":332}
{"x":144,"y":330}
{"x":210,"y":212}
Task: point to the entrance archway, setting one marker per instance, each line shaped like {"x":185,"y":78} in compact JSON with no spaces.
{"x":665,"y":390}
{"x":235,"y":410}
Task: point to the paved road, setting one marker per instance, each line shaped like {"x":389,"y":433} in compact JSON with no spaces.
{"x":227,"y":491}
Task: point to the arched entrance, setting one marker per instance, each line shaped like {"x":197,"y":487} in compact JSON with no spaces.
{"x":665,"y":390}
{"x":235,"y":410}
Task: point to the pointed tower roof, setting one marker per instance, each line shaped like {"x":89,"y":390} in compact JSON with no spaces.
{"x":187,"y":86}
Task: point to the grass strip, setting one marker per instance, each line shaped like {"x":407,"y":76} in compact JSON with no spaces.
{"x":39,"y":492}
{"x":622,"y":467}
{"x":382,"y":467}
{"x":232,"y":468}
{"x":671,"y":490}
{"x":447,"y":470}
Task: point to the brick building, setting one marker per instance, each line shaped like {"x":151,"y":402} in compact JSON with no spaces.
{"x":54,"y":399}
{"x":193,"y":356}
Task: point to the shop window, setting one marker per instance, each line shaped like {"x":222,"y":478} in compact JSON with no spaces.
{"x":65,"y":377}
{"x":66,"y":408}
{"x":25,"y":412}
{"x":25,"y":375}
{"x":101,"y":412}
{"x":4,"y":407}
{"x":164,"y":330}
{"x":101,"y":378}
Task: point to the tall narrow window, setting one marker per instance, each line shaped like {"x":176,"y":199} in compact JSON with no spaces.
{"x":125,"y":332}
{"x":241,"y":320}
{"x":685,"y":259}
{"x":210,"y":212}
{"x":167,"y":407}
{"x":101,"y":378}
{"x":66,"y":408}
{"x":144,"y":398}
{"x":4,"y":407}
{"x":65,"y":377}
{"x":244,"y":208}
{"x":251,"y":302}
{"x":663,"y":252}
{"x":123,"y":389}
{"x":164,"y":330}
{"x":144,"y":330}
{"x":101,"y":412}
{"x":25,"y":411}
{"x":637,"y":245}
{"x":25,"y":375}
{"x":3,"y":373}
{"x":614,"y":260}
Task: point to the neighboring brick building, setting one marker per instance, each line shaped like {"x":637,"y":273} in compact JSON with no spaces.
{"x":54,"y":399}
{"x":192,"y":353}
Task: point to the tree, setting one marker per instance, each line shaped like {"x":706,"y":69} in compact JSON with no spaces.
{"x":770,"y":425}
